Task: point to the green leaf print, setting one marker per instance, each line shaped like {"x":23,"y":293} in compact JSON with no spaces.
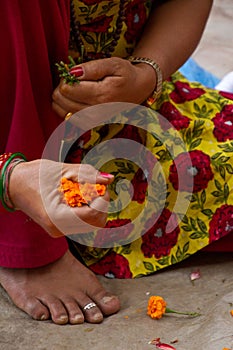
{"x":126,"y":249}
{"x":148,"y":266}
{"x":164,"y":261}
{"x":194,"y":144}
{"x":197,"y":200}
{"x":222,"y":192}
{"x":227,"y":147}
{"x":202,"y":226}
{"x":208,"y":213}
{"x":197,"y":227}
{"x":181,"y":254}
{"x":229,"y":168}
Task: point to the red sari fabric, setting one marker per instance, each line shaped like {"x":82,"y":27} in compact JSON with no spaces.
{"x":34,"y":35}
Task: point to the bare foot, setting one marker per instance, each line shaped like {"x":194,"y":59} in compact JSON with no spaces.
{"x":59,"y":291}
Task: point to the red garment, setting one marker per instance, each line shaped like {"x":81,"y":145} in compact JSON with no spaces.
{"x":34,"y":35}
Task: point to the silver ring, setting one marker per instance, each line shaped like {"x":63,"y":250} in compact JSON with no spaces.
{"x":89,"y":306}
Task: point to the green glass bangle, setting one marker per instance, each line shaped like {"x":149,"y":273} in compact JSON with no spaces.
{"x":2,"y":177}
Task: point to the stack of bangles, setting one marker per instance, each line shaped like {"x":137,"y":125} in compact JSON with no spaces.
{"x":8,"y":161}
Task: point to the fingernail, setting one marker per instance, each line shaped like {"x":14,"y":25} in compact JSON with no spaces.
{"x":109,"y":176}
{"x":77,"y":71}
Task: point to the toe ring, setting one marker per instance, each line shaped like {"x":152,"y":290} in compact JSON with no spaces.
{"x":89,"y":306}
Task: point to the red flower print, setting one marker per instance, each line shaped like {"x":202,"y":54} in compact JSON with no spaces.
{"x":127,"y":148}
{"x":75,"y":156}
{"x":221,"y":223}
{"x":112,"y":265}
{"x":84,"y":138}
{"x":193,"y":169}
{"x":223,"y":124}
{"x":183,"y":92}
{"x":173,"y":116}
{"x":228,"y":95}
{"x":140,"y":185}
{"x":76,"y":152}
{"x":108,"y":236}
{"x":161,"y":237}
{"x":97,"y":25}
{"x":130,"y":132}
{"x":135,"y":19}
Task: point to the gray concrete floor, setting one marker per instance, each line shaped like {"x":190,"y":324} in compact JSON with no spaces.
{"x":131,"y":328}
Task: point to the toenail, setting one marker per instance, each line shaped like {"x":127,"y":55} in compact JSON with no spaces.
{"x":77,"y":318}
{"x":107,"y":299}
{"x":63,"y":318}
{"x":43,"y":317}
{"x":98,"y":316}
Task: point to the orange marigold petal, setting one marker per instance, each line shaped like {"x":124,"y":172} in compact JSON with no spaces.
{"x":77,"y":194}
{"x":156,"y":307}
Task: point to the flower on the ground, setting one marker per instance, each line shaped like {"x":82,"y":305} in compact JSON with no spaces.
{"x":157,"y":307}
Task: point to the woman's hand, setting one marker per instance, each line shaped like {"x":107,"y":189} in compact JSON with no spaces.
{"x":105,"y":80}
{"x":34,"y":189}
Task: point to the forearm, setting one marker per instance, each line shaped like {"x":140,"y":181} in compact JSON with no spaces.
{"x":173,"y":32}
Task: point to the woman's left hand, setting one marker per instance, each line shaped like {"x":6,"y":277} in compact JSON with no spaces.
{"x":102,"y":81}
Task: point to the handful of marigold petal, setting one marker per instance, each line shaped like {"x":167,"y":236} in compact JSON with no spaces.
{"x":77,"y":194}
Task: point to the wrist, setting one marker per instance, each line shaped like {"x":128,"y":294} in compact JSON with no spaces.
{"x":8,"y":161}
{"x":158,"y":76}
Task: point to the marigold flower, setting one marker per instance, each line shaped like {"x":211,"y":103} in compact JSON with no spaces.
{"x":77,"y":194}
{"x":157,"y":307}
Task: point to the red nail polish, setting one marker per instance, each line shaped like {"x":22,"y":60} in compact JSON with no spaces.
{"x":109,"y":176}
{"x":77,"y":71}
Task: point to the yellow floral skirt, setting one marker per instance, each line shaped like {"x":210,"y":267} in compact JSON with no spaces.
{"x":172,"y":193}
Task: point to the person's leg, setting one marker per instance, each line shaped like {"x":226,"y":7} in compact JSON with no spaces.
{"x":44,"y":279}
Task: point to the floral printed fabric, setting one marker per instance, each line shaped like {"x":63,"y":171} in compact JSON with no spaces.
{"x":200,"y":173}
{"x":107,"y":28}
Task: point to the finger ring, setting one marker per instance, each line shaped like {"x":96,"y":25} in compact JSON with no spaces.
{"x":68,"y":115}
{"x":89,"y":306}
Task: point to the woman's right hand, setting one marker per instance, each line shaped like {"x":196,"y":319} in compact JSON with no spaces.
{"x":34,"y":190}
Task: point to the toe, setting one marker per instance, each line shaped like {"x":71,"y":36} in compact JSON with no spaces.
{"x":108,"y":303}
{"x":74,"y":312}
{"x":91,"y":311}
{"x":35,"y":309}
{"x":57,"y":310}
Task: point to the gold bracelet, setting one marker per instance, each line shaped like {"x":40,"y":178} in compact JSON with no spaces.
{"x":159,"y":76}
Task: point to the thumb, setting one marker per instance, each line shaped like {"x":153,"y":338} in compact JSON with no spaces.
{"x":97,"y":69}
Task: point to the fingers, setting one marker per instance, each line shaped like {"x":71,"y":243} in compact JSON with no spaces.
{"x":101,"y":82}
{"x":62,"y":103}
{"x":86,"y":173}
{"x":98,"y":69}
